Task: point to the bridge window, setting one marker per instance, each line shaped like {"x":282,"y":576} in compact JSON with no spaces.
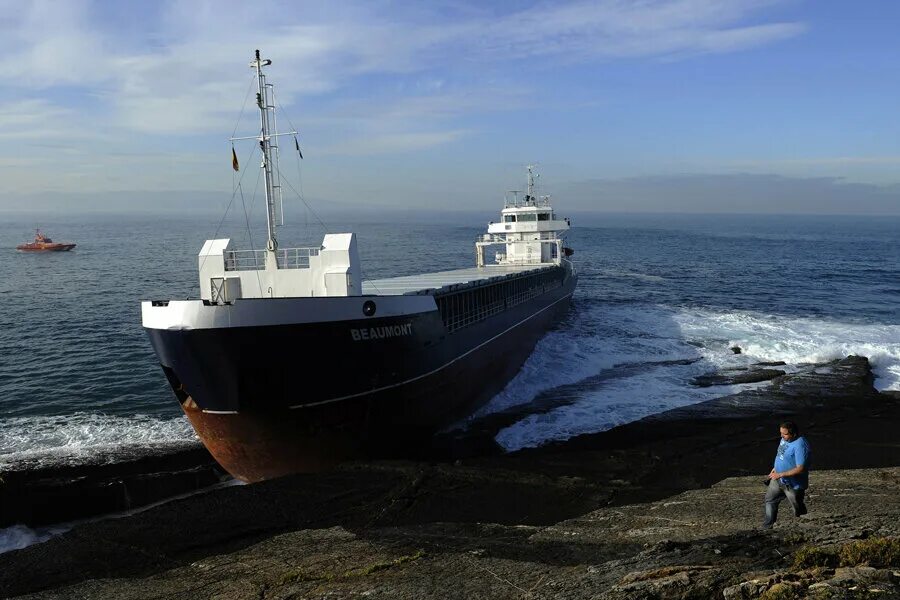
{"x":544,"y":216}
{"x":509,"y":218}
{"x":528,"y":217}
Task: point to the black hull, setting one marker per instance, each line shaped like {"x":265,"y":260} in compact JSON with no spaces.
{"x":267,"y":401}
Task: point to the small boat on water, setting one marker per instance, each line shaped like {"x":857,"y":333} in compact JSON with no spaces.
{"x":42,"y":243}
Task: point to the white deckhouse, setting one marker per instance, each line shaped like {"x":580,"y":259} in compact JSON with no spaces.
{"x":529,"y":230}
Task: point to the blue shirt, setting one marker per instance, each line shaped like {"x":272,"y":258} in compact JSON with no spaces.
{"x":789,"y":455}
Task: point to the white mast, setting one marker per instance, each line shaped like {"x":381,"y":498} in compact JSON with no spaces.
{"x":265,"y":107}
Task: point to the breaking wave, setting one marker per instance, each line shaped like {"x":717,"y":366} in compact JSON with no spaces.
{"x":80,"y":438}
{"x":618,"y":363}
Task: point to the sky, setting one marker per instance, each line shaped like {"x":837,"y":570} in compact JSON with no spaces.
{"x":731,"y":106}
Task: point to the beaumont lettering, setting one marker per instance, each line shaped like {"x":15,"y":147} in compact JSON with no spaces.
{"x":380,"y":333}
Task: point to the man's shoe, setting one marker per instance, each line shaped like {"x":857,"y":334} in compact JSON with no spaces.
{"x":800,"y":511}
{"x":766,"y":526}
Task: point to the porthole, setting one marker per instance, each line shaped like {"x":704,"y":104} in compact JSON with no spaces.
{"x":369,"y":308}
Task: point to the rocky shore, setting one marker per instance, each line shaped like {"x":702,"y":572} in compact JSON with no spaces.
{"x":666,"y":507}
{"x":37,"y":496}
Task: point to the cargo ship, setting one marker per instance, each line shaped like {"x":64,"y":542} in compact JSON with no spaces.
{"x":290,"y":362}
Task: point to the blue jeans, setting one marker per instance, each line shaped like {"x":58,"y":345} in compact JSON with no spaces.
{"x":775,"y":493}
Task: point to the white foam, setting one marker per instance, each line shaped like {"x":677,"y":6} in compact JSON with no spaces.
{"x":593,"y":342}
{"x":590,"y":354}
{"x":796,"y":340}
{"x":615,"y":402}
{"x":20,"y":536}
{"x":34,"y":442}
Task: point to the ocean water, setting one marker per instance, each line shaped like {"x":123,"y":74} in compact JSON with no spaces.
{"x":79,"y":381}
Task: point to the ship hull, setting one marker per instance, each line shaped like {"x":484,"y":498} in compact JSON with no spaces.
{"x":45,"y":247}
{"x":276,"y":399}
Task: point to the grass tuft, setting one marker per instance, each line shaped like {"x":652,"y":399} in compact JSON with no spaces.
{"x":381,"y":566}
{"x":875,"y":552}
{"x":794,"y":537}
{"x":808,"y":557}
{"x":781,"y":591}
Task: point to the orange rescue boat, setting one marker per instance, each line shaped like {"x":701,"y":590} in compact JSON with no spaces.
{"x":42,"y":243}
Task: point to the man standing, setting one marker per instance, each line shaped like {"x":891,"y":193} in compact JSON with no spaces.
{"x":790,"y":476}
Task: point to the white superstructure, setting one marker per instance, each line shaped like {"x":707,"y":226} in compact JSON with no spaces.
{"x":528,"y":229}
{"x":227,"y":274}
{"x":332,"y":269}
{"x":528,"y":234}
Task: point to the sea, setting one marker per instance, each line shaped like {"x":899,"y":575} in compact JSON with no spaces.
{"x":79,"y":381}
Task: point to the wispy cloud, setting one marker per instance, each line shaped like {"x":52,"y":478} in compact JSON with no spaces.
{"x":728,"y":193}
{"x":880,"y":170}
{"x":45,"y":44}
{"x":40,"y":125}
{"x":823,"y":161}
{"x":603,"y":30}
{"x":372,"y":77}
{"x":186,"y":81}
{"x":392,"y":143}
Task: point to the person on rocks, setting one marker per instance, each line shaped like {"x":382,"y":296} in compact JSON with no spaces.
{"x":790,"y":475}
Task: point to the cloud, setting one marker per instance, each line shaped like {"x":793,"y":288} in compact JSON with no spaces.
{"x":38,"y":128}
{"x":694,"y":193}
{"x":828,"y":161}
{"x":45,"y":44}
{"x":383,"y":125}
{"x":731,"y":40}
{"x":737,"y":193}
{"x":31,"y":118}
{"x":180,"y":73}
{"x":604,"y":30}
{"x":392,"y":143}
{"x":368,"y":77}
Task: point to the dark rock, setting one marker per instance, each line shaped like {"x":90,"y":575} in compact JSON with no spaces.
{"x":172,"y":551}
{"x":64,"y":493}
{"x":736,"y":377}
{"x":665,"y":507}
{"x":736,"y":349}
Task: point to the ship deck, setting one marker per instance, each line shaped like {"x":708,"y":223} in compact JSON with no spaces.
{"x":428,"y":283}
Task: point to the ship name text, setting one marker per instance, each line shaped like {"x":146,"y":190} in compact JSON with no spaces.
{"x":379,"y":333}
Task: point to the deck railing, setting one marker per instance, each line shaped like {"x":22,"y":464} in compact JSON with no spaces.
{"x":542,"y":202}
{"x":255,"y":260}
{"x":501,"y":238}
{"x":295,"y":258}
{"x":494,"y":239}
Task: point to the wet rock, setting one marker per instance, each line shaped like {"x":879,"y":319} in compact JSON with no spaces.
{"x":46,"y":495}
{"x":737,"y":376}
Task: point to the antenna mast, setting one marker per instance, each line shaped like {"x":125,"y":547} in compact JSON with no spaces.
{"x":266,"y":118}
{"x":529,"y":195}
